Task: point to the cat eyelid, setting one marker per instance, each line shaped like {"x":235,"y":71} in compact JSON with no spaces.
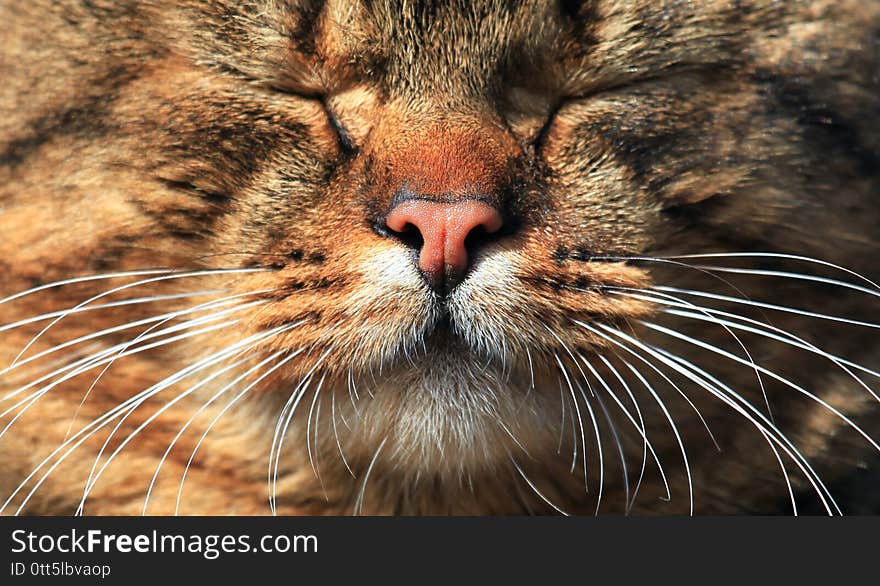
{"x":345,"y":140}
{"x":540,"y":138}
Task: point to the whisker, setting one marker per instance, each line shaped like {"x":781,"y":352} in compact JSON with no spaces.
{"x":93,"y":361}
{"x":662,"y":406}
{"x":747,"y":410}
{"x":789,"y":275}
{"x":535,"y":488}
{"x":599,"y":450}
{"x":281,"y":428}
{"x":766,"y":306}
{"x":640,"y":426}
{"x":93,"y":476}
{"x":616,"y":437}
{"x":128,"y":286}
{"x":84,"y":434}
{"x":515,"y":440}
{"x":123,"y":303}
{"x":666,"y":379}
{"x":672,"y":425}
{"x":562,"y":426}
{"x":766,"y":330}
{"x":579,"y":418}
{"x":95,"y":473}
{"x":795,"y":342}
{"x":625,"y":290}
{"x":768,"y":372}
{"x":225,"y":409}
{"x":72,"y":281}
{"x":780,"y":256}
{"x":359,"y":502}
{"x":308,"y":434}
{"x":191,"y":323}
{"x":336,"y":433}
{"x":183,"y":429}
{"x":805,"y":468}
{"x":123,"y":327}
{"x":647,"y":445}
{"x":34,"y":397}
{"x":211,"y":400}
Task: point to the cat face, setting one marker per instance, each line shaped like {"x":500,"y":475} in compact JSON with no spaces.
{"x":440,"y":216}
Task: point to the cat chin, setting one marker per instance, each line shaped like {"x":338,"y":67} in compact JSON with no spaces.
{"x":447,"y":414}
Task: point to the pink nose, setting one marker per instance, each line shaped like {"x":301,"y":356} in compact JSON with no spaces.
{"x":444,"y":227}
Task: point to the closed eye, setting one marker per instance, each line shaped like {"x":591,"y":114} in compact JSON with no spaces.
{"x":346,"y":143}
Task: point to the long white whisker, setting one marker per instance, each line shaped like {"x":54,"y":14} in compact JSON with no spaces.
{"x":34,"y":397}
{"x":535,"y":489}
{"x":616,"y":437}
{"x":210,"y":401}
{"x":336,"y":433}
{"x":309,"y":430}
{"x":191,"y":323}
{"x":82,"y":435}
{"x":123,"y":303}
{"x":183,"y":429}
{"x":662,"y":406}
{"x":770,"y":440}
{"x":782,"y":256}
{"x":359,"y":503}
{"x":94,"y":476}
{"x":225,"y":409}
{"x":665,"y":378}
{"x":747,"y":410}
{"x":766,"y":330}
{"x":639,"y":426}
{"x":672,"y":425}
{"x":793,"y":341}
{"x":628,"y":291}
{"x":128,"y":286}
{"x":114,"y":329}
{"x":85,"y":279}
{"x":599,"y":449}
{"x":768,"y":372}
{"x":95,"y":473}
{"x":281,"y":429}
{"x":579,"y":418}
{"x":789,"y":275}
{"x":767,"y":306}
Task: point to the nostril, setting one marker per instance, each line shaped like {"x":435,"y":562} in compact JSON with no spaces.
{"x":409,"y":235}
{"x":479,"y":237}
{"x":446,"y":235}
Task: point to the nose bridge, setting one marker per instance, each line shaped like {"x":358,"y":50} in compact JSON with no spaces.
{"x":450,"y":158}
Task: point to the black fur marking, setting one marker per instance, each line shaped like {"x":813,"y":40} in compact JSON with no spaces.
{"x":560,"y":255}
{"x":586,"y":21}
{"x":825,"y":128}
{"x":188,"y":187}
{"x":88,"y":118}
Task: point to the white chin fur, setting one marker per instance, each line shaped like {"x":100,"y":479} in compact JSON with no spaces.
{"x":443,"y":415}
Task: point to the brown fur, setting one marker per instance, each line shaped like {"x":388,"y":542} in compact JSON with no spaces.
{"x":276,"y":134}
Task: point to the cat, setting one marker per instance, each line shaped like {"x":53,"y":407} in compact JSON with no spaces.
{"x":305,"y":257}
